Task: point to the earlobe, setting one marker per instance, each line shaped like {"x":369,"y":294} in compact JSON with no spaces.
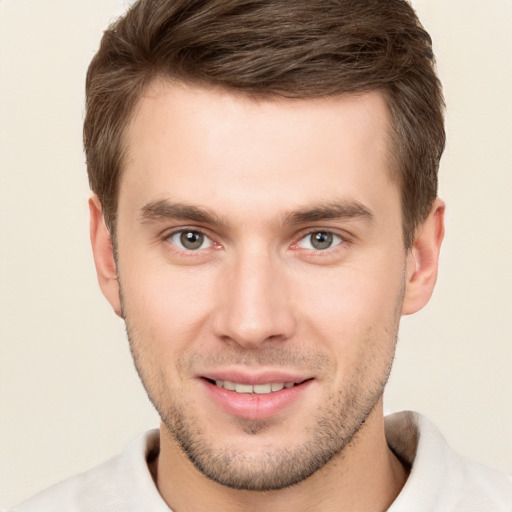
{"x":423,"y":259}
{"x":103,"y":252}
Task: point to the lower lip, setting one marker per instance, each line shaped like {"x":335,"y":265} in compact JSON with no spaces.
{"x":253,"y":406}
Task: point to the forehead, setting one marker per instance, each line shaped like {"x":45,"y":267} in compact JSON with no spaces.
{"x":231,"y":152}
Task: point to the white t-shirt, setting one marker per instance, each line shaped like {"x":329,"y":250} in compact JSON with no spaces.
{"x":440,"y":480}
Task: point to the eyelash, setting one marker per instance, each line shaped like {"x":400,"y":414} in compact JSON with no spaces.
{"x":168,"y":238}
{"x":335,"y":235}
{"x":342,"y":241}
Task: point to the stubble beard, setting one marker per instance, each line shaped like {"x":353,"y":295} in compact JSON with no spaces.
{"x":337,"y":424}
{"x":278,"y":467}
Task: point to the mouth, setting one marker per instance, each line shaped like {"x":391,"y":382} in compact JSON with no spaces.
{"x":253,"y":389}
{"x":256,"y":397}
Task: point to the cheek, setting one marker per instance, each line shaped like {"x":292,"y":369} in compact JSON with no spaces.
{"x":346,"y":306}
{"x":167,"y":307}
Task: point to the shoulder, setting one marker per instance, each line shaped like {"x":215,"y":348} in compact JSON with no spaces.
{"x":440,"y":478}
{"x":122,"y":483}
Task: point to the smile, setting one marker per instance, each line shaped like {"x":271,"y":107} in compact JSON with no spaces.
{"x":256,"y":397}
{"x":256,"y":389}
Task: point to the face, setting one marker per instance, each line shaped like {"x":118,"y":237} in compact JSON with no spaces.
{"x":262,"y":269}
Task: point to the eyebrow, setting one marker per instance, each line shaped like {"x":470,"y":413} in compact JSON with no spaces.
{"x":330,"y":211}
{"x":163,"y":209}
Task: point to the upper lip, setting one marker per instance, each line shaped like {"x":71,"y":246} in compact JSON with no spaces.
{"x":255,"y":378}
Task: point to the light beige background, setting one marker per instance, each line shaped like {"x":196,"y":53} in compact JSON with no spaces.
{"x":69,"y":395}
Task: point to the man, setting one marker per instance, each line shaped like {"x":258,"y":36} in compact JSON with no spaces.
{"x":265,"y":209}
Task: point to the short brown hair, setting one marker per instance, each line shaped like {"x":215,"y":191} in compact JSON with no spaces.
{"x":272,"y":48}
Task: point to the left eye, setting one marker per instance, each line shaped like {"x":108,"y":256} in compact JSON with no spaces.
{"x":190,"y":240}
{"x":320,"y":241}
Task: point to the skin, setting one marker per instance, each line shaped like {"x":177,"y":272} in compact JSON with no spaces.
{"x":257,"y":300}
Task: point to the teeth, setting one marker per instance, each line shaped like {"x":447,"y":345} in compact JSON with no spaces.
{"x":243,"y":388}
{"x":258,"y":389}
{"x":228,"y":385}
{"x":262,"y":389}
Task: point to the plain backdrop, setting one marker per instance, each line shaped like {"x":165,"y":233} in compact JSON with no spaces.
{"x":69,"y":395}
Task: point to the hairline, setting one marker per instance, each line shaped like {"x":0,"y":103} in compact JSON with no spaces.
{"x":393,"y":164}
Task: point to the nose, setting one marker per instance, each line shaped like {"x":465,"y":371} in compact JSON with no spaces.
{"x":254,"y":306}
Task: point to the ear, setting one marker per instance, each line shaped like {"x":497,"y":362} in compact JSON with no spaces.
{"x":103,"y":252}
{"x":422,"y":260}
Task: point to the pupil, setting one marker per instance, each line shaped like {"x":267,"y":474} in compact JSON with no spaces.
{"x":321,"y":240}
{"x":191,"y":239}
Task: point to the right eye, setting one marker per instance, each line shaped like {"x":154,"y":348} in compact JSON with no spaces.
{"x":190,"y":240}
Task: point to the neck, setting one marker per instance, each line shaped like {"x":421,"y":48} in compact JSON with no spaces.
{"x":366,"y":476}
